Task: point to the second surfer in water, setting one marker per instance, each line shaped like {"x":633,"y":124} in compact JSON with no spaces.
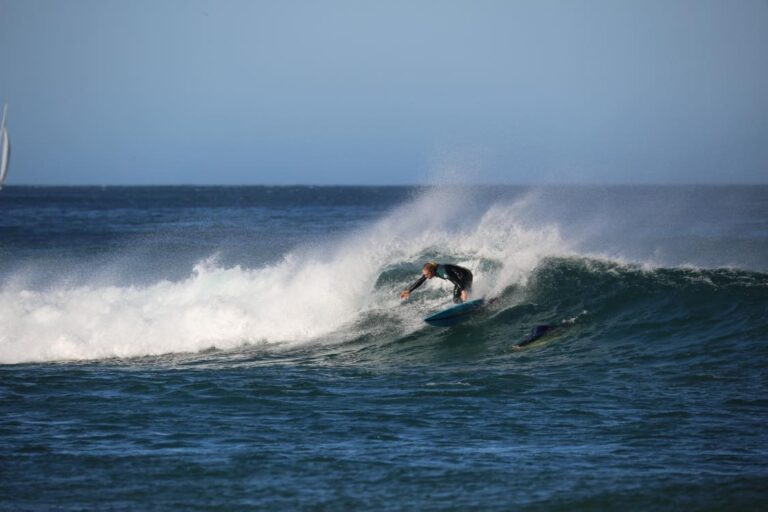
{"x":459,"y":276}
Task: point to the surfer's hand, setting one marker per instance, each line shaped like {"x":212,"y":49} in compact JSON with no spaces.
{"x":404,"y":294}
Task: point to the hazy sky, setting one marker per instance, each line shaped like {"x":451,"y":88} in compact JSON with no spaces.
{"x":386,"y":92}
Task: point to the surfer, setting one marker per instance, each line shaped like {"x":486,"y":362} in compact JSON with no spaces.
{"x":459,"y":276}
{"x":540,"y":331}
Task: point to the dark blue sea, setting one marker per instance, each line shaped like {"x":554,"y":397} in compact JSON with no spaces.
{"x":203,"y":348}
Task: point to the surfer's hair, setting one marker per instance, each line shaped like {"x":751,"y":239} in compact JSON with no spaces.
{"x":431,"y":266}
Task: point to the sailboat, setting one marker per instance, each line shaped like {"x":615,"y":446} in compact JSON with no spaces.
{"x":5,"y":148}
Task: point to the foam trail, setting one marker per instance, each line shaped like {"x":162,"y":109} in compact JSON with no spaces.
{"x":312,"y":293}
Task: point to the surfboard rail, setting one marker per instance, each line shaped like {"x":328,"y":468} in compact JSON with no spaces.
{"x":455,"y":314}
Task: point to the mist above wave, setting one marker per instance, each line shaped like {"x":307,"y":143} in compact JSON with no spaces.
{"x":312,"y":292}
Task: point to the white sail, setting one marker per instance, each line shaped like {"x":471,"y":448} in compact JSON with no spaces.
{"x":5,"y":148}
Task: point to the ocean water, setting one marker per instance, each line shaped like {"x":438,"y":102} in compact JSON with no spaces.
{"x":245,"y":347}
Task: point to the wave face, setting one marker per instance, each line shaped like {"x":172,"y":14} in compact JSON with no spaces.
{"x":336,"y":278}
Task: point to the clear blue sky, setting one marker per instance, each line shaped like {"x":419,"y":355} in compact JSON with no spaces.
{"x":385,"y":92}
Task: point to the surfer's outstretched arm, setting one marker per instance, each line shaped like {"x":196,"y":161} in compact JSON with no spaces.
{"x":405,"y":293}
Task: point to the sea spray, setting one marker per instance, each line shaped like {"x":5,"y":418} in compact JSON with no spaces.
{"x":313,"y":291}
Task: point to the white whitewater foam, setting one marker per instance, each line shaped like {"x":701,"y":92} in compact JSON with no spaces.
{"x":313,"y":293}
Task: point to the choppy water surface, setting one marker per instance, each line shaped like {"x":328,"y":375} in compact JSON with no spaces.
{"x":232,"y":347}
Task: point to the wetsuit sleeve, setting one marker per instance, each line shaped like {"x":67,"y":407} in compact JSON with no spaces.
{"x":417,"y":284}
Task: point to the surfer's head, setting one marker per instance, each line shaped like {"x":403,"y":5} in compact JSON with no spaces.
{"x":429,"y":269}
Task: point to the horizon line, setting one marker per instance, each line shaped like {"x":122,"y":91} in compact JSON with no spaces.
{"x":392,"y":185}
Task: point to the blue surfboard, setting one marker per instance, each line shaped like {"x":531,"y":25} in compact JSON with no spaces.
{"x":455,"y":314}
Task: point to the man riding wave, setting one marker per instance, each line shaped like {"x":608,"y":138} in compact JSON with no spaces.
{"x":459,"y":276}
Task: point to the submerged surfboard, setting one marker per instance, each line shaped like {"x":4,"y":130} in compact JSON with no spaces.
{"x":455,"y":314}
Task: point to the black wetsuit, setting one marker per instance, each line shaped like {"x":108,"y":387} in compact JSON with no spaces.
{"x":459,"y":276}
